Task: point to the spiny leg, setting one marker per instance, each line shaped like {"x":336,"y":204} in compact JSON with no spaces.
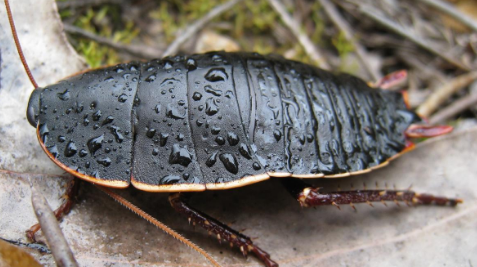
{"x":222,"y":231}
{"x":70,"y":194}
{"x":309,"y":196}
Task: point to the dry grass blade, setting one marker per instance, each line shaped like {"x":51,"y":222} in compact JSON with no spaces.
{"x":443,"y":93}
{"x":304,"y":40}
{"x":196,"y":26}
{"x":51,"y":229}
{"x":376,"y":15}
{"x":453,"y":12}
{"x":454,"y":109}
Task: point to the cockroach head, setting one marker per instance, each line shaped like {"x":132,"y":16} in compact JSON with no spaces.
{"x":33,"y":109}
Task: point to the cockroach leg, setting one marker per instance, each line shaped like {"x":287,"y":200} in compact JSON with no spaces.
{"x":309,"y":196}
{"x":179,"y":202}
{"x":69,"y":196}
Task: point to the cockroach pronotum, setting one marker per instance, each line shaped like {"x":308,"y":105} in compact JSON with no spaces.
{"x":219,"y":121}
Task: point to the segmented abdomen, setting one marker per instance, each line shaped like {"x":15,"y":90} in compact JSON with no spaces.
{"x":219,"y":117}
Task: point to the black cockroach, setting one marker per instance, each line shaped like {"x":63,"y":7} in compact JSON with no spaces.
{"x":222,"y":120}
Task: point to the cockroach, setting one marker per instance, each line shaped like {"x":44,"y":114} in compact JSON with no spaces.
{"x":219,"y":121}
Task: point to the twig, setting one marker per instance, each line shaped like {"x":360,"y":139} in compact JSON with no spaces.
{"x":455,"y":108}
{"x":140,"y":51}
{"x":444,"y":92}
{"x":49,"y":225}
{"x":304,"y":40}
{"x":453,"y":12}
{"x":375,"y":15}
{"x":347,"y":31}
{"x":189,"y":31}
{"x":82,"y":3}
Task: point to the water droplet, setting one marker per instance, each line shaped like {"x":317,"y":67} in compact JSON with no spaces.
{"x":157,"y":108}
{"x":216,"y":58}
{"x":215,"y":130}
{"x":132,"y":68}
{"x":230,"y":162}
{"x":163,"y":139}
{"x":109,"y":79}
{"x":97,"y":115}
{"x":180,"y":155}
{"x":151,"y":78}
{"x":61,"y":139}
{"x":220,"y":140}
{"x":64,"y":96}
{"x":83,"y":153}
{"x":197,"y":96}
{"x":229,"y":94}
{"x":309,"y":138}
{"x":116,"y":131}
{"x":155,"y":151}
{"x":150,"y":132}
{"x":70,"y":149}
{"x":180,"y":137}
{"x":186,"y":176}
{"x":191,"y":64}
{"x":211,"y":107}
{"x":213,"y":91}
{"x":170,"y":179}
{"x":173,"y":112}
{"x":119,"y":70}
{"x":277,"y":134}
{"x":79,"y":107}
{"x":53,"y":150}
{"x":220,"y":180}
{"x":256,"y":166}
{"x":95,"y":143}
{"x":216,"y":74}
{"x":232,"y":138}
{"x":167,"y":64}
{"x":244,"y":151}
{"x":211,"y":160}
{"x":108,"y":120}
{"x":44,"y":132}
{"x":104,"y":161}
{"x":151,"y":69}
{"x":122,"y":98}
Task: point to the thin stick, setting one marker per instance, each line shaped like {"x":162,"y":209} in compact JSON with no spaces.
{"x":304,"y":40}
{"x":455,"y":108}
{"x":444,"y":92}
{"x":345,"y":28}
{"x":17,"y":44}
{"x":196,"y":26}
{"x":453,"y":12}
{"x":375,"y":15}
{"x":141,"y":51}
{"x":157,"y":223}
{"x":50,"y":228}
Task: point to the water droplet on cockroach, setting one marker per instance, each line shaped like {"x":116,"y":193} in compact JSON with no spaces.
{"x":232,"y":138}
{"x":256,"y":166}
{"x":151,"y":78}
{"x":211,"y":107}
{"x":309,"y":138}
{"x":197,"y":96}
{"x":64,"y":96}
{"x":79,"y":107}
{"x":44,"y":132}
{"x":86,"y":120}
{"x":122,"y":98}
{"x":96,"y":126}
{"x":186,"y":176}
{"x":216,"y":74}
{"x":215,"y":130}
{"x":302,"y":139}
{"x":117,"y":133}
{"x":211,"y":160}
{"x":132,"y":68}
{"x":107,"y":120}
{"x":95,"y":173}
{"x":220,"y":140}
{"x":150,"y":132}
{"x":229,"y":94}
{"x":61,"y":138}
{"x":104,"y":161}
{"x":163,"y":139}
{"x":181,"y":103}
{"x":167,"y":64}
{"x":93,"y":105}
{"x":53,"y":150}
{"x":70,"y":149}
{"x":191,"y":64}
{"x":83,"y":153}
{"x":199,"y":123}
{"x":97,"y":115}
{"x":170,"y":179}
{"x":151,"y":69}
{"x":277,"y":134}
{"x":109,"y":79}
{"x":201,"y":107}
{"x":212,"y":91}
{"x":173,"y":112}
{"x":217,"y":58}
{"x":180,"y":155}
{"x":95,"y":143}
{"x":180,"y":137}
{"x":157,"y":108}
{"x":244,"y":151}
{"x":230,"y":162}
{"x":155,"y":151}
{"x":119,"y":70}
